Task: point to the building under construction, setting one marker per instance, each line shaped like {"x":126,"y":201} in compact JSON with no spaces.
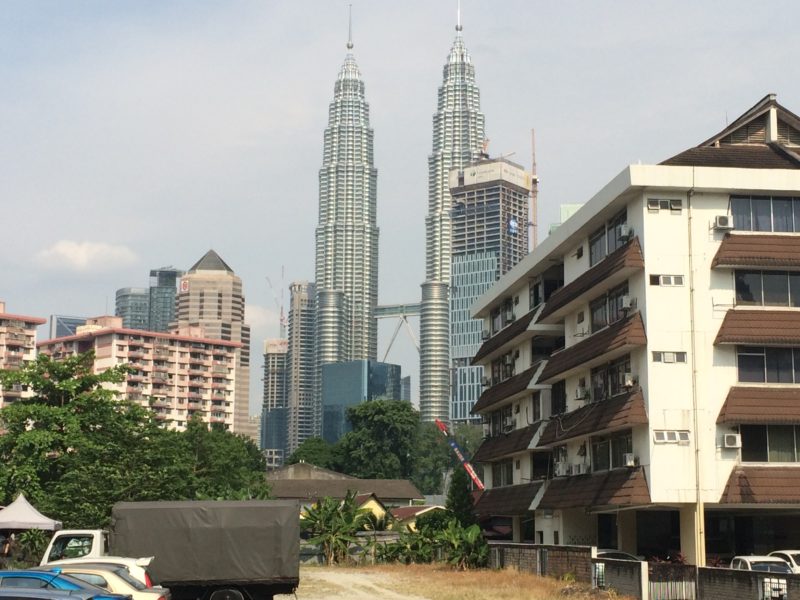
{"x":489,"y":220}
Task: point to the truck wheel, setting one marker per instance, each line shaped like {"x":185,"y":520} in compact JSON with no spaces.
{"x":226,"y":594}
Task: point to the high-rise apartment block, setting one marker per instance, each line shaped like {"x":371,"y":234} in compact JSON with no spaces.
{"x":177,"y":375}
{"x":133,"y":305}
{"x":346,"y":265}
{"x":350,"y":383}
{"x":163,"y":288}
{"x":489,"y":221}
{"x":645,"y":358}
{"x":274,"y":413}
{"x":210,"y":297}
{"x":304,"y":415}
{"x":458,"y":139}
{"x":17,"y":345}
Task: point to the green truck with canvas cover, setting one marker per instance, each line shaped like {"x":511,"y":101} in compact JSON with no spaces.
{"x":213,"y":550}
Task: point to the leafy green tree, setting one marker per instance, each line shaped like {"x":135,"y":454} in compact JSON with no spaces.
{"x":432,"y":457}
{"x":459,"y":498}
{"x":463,"y":546}
{"x":333,"y":525}
{"x":75,"y":450}
{"x":381,"y":444}
{"x":315,"y":451}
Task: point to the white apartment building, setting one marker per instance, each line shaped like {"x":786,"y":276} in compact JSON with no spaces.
{"x":17,"y":345}
{"x":643,"y":362}
{"x":177,"y":375}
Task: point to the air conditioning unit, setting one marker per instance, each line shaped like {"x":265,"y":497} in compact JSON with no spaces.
{"x":508,"y":424}
{"x":582,"y":393}
{"x":509,"y":360}
{"x":510,"y":317}
{"x":561,"y":469}
{"x":630,"y":459}
{"x":485,"y":381}
{"x":580,"y":469}
{"x":723,"y":222}
{"x":628,"y":302}
{"x":732,"y":440}
{"x":628,"y":380}
{"x":624,"y":231}
{"x":486,"y":335}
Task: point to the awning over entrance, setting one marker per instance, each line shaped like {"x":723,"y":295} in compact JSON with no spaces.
{"x":596,"y":417}
{"x":507,"y":501}
{"x":616,"y":488}
{"x":761,"y":405}
{"x":762,"y":485}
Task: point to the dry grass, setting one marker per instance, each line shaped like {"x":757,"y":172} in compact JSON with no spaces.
{"x":440,"y":583}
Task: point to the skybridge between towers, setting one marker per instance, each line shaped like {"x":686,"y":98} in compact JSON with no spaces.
{"x":401,"y":312}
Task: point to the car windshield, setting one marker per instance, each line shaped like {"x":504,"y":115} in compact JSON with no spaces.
{"x":772,"y":567}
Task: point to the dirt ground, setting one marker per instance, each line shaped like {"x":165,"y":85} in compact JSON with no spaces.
{"x":430,"y":582}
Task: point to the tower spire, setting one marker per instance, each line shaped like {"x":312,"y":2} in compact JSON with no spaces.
{"x":458,"y":16}
{"x":350,"y":28}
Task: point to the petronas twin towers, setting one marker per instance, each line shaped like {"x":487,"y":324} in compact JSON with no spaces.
{"x":346,"y":267}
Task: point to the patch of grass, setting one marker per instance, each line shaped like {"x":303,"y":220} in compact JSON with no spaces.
{"x":441,"y":583}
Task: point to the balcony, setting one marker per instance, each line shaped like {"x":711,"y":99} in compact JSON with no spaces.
{"x":217,"y":418}
{"x":607,"y":344}
{"x":161,"y":403}
{"x":608,"y":273}
{"x":159,"y":416}
{"x":219,"y":369}
{"x":197,"y":372}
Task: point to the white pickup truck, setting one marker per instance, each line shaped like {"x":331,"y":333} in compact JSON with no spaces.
{"x":70,"y":546}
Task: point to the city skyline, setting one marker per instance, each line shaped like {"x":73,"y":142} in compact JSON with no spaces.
{"x":173,"y":119}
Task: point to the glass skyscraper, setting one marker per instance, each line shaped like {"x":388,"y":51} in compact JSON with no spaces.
{"x":163,"y":287}
{"x":133,"y":305}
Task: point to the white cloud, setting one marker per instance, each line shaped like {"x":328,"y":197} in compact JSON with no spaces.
{"x":260,"y":317}
{"x":85,"y":256}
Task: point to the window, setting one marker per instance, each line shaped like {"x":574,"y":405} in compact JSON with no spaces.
{"x":607,"y":238}
{"x":608,"y":452}
{"x":608,"y":308}
{"x":766,"y":213}
{"x":656,"y":204}
{"x":502,"y":473}
{"x":768,"y":365}
{"x":767,"y":288}
{"x":669,"y":357}
{"x":662,"y":436}
{"x":769,"y":443}
{"x":666,"y":280}
{"x":558,"y":398}
{"x":597,"y":246}
{"x":609,"y":380}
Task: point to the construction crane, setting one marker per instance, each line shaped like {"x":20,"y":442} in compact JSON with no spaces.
{"x":464,"y":462}
{"x":534,"y":222}
{"x":279,"y":304}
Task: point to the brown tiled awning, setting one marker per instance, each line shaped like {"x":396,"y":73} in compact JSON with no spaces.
{"x":620,"y":336}
{"x":504,"y":335}
{"x":758,"y":250}
{"x":761,"y":405}
{"x":507,"y":501}
{"x":759,"y":327}
{"x":595,"y":417}
{"x":762,"y":485}
{"x":620,"y":487}
{"x":506,"y":444}
{"x":501,"y":391}
{"x":612,"y":270}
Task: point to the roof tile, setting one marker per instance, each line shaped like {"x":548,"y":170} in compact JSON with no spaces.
{"x":513,"y":385}
{"x":619,"y":487}
{"x":747,"y":326}
{"x":758,"y":250}
{"x":762,"y":485}
{"x":761,"y":405}
{"x":507,"y":501}
{"x":506,"y":444}
{"x":506,"y":334}
{"x":736,"y":156}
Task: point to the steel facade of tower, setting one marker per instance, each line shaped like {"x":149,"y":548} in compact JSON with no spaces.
{"x":491,"y":203}
{"x":458,"y":136}
{"x":301,"y":362}
{"x":163,"y":289}
{"x":346,"y":267}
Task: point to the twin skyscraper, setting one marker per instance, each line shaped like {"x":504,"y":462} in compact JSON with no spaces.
{"x":344,"y":295}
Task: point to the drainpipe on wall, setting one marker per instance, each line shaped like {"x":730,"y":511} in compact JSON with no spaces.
{"x":699,"y":526}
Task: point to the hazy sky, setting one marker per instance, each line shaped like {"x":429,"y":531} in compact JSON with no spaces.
{"x":140,"y":134}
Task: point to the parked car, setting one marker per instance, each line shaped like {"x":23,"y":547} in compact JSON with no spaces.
{"x":137,"y":567}
{"x":792,"y":557}
{"x":771,"y":564}
{"x":53,"y":580}
{"x":616,"y":554}
{"x":22,"y":593}
{"x":114,"y":578}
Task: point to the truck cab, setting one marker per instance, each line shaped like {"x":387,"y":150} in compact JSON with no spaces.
{"x":76,"y":543}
